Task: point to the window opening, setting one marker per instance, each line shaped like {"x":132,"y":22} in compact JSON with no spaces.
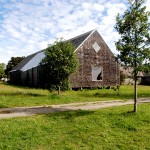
{"x":97,"y":73}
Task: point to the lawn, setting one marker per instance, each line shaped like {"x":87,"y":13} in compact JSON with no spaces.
{"x":115,"y":128}
{"x":13,"y":96}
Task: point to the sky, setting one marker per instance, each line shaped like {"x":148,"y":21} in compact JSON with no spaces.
{"x":27,"y":26}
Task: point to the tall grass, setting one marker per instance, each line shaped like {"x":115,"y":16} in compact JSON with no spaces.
{"x":13,"y":96}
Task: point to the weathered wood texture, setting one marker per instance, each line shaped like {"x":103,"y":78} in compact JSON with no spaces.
{"x":88,"y":57}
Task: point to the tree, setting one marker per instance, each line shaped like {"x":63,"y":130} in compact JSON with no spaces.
{"x":59,"y":63}
{"x":133,"y":45}
{"x":12,"y":63}
{"x":2,"y":70}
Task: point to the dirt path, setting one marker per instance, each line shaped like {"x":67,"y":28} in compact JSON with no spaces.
{"x":28,"y":111}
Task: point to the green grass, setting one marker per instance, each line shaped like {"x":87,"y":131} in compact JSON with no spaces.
{"x":113,"y":128}
{"x":13,"y":96}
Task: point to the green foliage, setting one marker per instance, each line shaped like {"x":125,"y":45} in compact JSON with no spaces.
{"x":114,"y":128}
{"x":133,"y":45}
{"x":64,"y":86}
{"x":2,"y":70}
{"x":12,"y":63}
{"x":147,"y":66}
{"x":59,"y":63}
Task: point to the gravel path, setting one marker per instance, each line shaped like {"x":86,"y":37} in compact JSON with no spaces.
{"x":28,"y":111}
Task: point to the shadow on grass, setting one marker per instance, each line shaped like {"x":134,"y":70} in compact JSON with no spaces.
{"x":124,"y":121}
{"x":128,"y":113}
{"x":107,"y":95}
{"x":18,"y":86}
{"x":21,"y":94}
{"x":54,"y":96}
{"x":70,"y":114}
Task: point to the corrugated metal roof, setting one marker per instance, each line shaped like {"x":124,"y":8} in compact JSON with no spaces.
{"x":34,"y":60}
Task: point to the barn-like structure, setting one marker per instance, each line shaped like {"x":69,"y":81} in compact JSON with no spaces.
{"x":97,"y":65}
{"x":145,"y":79}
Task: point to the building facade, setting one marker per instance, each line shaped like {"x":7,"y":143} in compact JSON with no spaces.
{"x":97,"y":65}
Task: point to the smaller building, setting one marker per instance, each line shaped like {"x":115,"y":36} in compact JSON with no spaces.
{"x":127,"y":72}
{"x":145,"y":80}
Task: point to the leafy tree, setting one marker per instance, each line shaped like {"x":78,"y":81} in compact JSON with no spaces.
{"x":133,"y":26}
{"x":12,"y":63}
{"x":147,"y":65}
{"x":2,"y":70}
{"x":59,"y":63}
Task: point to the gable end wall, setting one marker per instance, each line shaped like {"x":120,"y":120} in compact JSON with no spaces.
{"x":88,"y":57}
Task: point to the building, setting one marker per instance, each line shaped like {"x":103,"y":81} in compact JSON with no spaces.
{"x":97,"y":65}
{"x":145,"y":79}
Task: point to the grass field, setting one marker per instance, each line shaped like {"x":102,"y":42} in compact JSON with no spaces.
{"x":13,"y":96}
{"x":107,"y":129}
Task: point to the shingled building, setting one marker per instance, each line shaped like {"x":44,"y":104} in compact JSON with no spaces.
{"x":97,"y":65}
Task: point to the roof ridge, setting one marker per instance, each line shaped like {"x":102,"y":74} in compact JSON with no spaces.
{"x":80,"y":35}
{"x":36,"y":52}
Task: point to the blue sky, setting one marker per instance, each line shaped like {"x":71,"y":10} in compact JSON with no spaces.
{"x":27,"y":26}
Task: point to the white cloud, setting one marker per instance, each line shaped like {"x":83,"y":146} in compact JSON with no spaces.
{"x":98,"y":7}
{"x":148,"y":5}
{"x":27,"y":26}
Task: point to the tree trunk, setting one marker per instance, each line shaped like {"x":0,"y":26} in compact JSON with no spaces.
{"x":58,"y":90}
{"x":135,"y":95}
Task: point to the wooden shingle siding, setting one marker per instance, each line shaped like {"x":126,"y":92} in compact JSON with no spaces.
{"x":88,"y":57}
